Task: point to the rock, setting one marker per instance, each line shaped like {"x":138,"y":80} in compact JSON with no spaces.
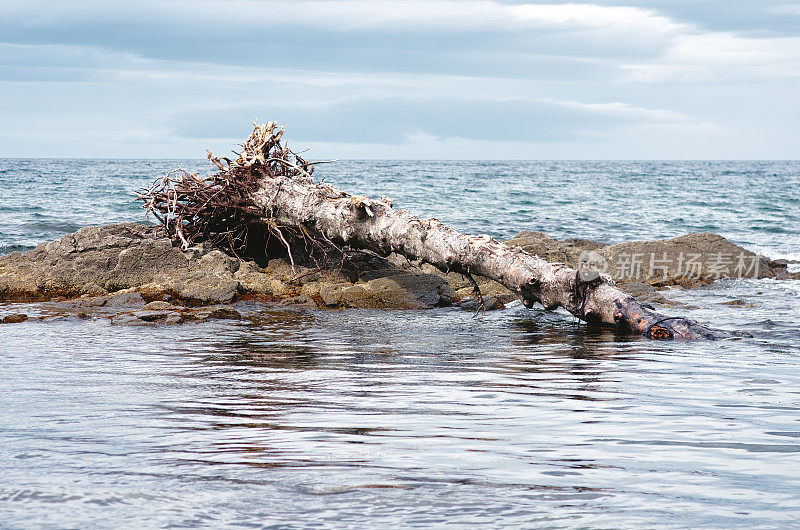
{"x":160,"y":306}
{"x":331,"y":293}
{"x":688,"y":260}
{"x":89,"y":301}
{"x":154,"y":292}
{"x":735,"y":302}
{"x":110,"y":258}
{"x":200,"y":286}
{"x":205,"y":313}
{"x":553,"y":250}
{"x":282,"y":270}
{"x":255,"y":280}
{"x":219,"y":263}
{"x":489,"y":289}
{"x":781,"y":268}
{"x":404,"y":290}
{"x":127,"y":319}
{"x":125,"y":256}
{"x":490,"y":304}
{"x":92,"y":289}
{"x":196,"y":316}
{"x":252,"y":278}
{"x":128,"y":265}
{"x":14,"y":318}
{"x":173,"y":318}
{"x":462,"y":289}
{"x":151,"y":316}
{"x":644,"y":292}
{"x":310,"y":290}
{"x":131,"y":299}
{"x":302,"y":300}
{"x":124,"y":299}
{"x":224,"y":312}
{"x":171,"y":315}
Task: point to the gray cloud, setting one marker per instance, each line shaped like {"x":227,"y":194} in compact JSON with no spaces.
{"x":129,"y":77}
{"x":473,"y":38}
{"x":395,"y":120}
{"x":755,"y":17}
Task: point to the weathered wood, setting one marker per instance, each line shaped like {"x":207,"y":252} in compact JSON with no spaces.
{"x":293,"y":199}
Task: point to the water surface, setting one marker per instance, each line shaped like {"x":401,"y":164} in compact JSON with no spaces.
{"x":358,"y":418}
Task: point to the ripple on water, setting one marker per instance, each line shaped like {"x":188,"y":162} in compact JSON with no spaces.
{"x":414,"y":418}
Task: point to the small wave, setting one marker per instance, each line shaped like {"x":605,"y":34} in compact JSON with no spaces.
{"x":792,"y":257}
{"x":8,"y":249}
{"x":52,"y":226}
{"x":26,"y":208}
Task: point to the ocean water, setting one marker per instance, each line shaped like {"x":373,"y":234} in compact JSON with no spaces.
{"x":358,"y":418}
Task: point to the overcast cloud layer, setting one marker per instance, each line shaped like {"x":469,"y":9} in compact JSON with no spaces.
{"x":635,"y":79}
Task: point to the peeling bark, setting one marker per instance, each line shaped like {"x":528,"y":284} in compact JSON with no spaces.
{"x":292,"y":199}
{"x":375,"y":225}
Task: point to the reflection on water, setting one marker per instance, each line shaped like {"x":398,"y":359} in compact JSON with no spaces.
{"x":393,"y":418}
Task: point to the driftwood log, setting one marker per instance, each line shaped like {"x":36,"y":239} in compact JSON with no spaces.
{"x":270,"y":185}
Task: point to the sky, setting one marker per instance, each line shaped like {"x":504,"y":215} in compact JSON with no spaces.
{"x":403,"y":79}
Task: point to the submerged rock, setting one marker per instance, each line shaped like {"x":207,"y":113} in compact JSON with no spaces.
{"x":644,"y":292}
{"x":14,"y":318}
{"x":161,"y":313}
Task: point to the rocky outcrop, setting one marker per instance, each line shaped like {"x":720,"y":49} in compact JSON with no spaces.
{"x":94,"y":260}
{"x":121,"y":268}
{"x":688,"y":260}
{"x":132,"y":260}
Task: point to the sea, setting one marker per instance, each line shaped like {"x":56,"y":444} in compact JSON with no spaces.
{"x":301,"y":418}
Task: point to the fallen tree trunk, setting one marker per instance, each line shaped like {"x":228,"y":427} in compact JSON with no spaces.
{"x":269,"y":184}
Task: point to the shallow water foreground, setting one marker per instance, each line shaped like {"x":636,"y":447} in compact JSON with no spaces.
{"x":372,"y":418}
{"x":398,"y":418}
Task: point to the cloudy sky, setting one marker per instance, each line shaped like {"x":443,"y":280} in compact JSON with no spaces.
{"x":610,"y":79}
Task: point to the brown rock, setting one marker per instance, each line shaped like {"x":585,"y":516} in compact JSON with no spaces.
{"x":400,"y":291}
{"x":151,"y":316}
{"x":224,"y":311}
{"x":14,"y":318}
{"x":92,"y":289}
{"x":200,"y":286}
{"x":138,"y":264}
{"x":160,"y":305}
{"x":551,"y":249}
{"x":644,"y":292}
{"x":490,"y":303}
{"x":89,"y":301}
{"x":127,"y":319}
{"x":688,"y":260}
{"x":154,"y":292}
{"x":130,"y":299}
{"x":119,"y":257}
{"x":462,"y":289}
{"x":173,"y":318}
{"x":735,"y":302}
{"x":302,"y":300}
